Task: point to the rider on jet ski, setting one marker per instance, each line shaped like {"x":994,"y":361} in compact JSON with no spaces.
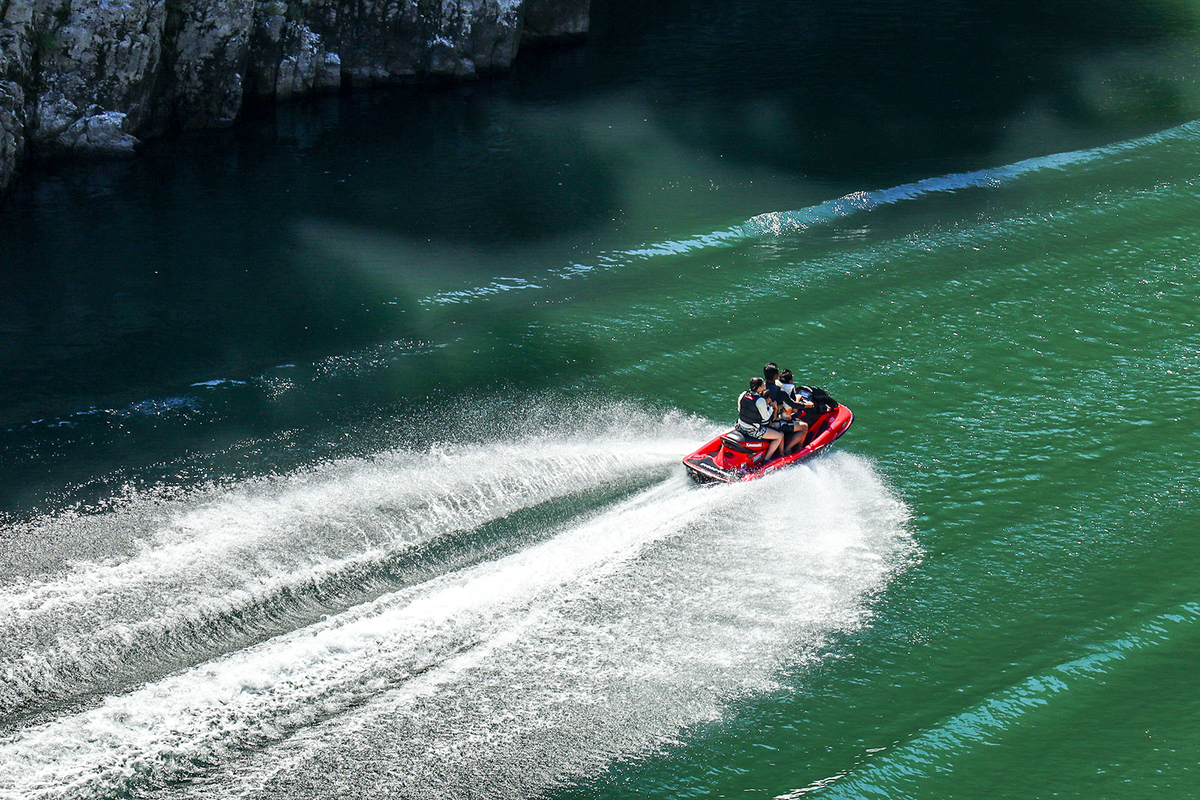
{"x":788,"y":409}
{"x":754,"y":412}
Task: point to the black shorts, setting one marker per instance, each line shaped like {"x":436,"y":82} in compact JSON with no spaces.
{"x":783,"y":427}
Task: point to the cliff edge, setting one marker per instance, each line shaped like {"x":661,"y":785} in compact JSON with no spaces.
{"x":95,"y":77}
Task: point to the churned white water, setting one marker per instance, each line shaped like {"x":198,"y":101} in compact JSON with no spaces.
{"x":606,"y":637}
{"x":209,"y":567}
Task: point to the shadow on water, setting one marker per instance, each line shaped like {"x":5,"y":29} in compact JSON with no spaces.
{"x":134,"y":335}
{"x":474,"y":167}
{"x":888,"y":91}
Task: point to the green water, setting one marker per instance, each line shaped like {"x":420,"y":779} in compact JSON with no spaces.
{"x":339,"y":453}
{"x":1023,"y":374}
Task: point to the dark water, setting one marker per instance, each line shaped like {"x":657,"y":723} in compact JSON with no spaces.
{"x":339,"y":452}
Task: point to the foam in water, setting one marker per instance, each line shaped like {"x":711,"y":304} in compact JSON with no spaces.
{"x":607,"y":639}
{"x":212,"y":568}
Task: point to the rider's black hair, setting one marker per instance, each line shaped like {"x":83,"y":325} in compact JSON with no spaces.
{"x":771,"y":371}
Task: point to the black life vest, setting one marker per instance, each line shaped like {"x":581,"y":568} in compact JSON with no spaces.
{"x":748,"y":409}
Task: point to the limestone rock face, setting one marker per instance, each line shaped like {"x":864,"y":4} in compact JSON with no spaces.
{"x":16,"y":46}
{"x":287,"y":57}
{"x":381,"y":40}
{"x":12,"y":128}
{"x":208,"y":58}
{"x":94,"y":77}
{"x":95,"y":65}
{"x":555,"y":19}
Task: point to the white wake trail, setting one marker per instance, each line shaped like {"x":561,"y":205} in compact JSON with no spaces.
{"x":605,"y":640}
{"x":210,"y":564}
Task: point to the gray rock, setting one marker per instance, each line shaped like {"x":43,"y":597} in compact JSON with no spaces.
{"x":99,"y":132}
{"x":94,"y":57}
{"x":306,"y":65}
{"x":210,"y":56}
{"x":16,"y":31}
{"x":12,"y":129}
{"x":379,"y":41}
{"x":555,"y":19}
{"x":95,"y":76}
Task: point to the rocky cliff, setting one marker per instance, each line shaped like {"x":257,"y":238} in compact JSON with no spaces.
{"x":98,"y":76}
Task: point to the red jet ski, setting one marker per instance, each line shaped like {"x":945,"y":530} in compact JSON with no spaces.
{"x":733,"y":456}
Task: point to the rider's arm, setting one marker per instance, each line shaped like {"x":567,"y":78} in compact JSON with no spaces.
{"x":764,"y":408}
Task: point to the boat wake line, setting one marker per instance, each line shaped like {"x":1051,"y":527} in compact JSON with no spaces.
{"x":292,"y":635}
{"x":772,"y":224}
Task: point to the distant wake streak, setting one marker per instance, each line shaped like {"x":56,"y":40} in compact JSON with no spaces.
{"x":782,"y":223}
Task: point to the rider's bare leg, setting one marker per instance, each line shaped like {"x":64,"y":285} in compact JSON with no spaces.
{"x":776,"y":439}
{"x":796,"y":439}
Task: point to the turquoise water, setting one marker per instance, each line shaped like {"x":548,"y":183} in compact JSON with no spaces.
{"x":339,"y":454}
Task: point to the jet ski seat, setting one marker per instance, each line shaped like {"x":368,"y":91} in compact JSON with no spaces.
{"x":736,"y":441}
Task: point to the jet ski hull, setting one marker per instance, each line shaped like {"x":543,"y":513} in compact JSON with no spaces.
{"x":732,"y":458}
